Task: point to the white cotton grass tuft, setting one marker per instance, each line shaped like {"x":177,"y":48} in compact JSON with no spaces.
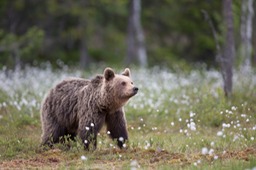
{"x":134,"y":165}
{"x":192,"y":126}
{"x":212,"y":143}
{"x":192,"y":114}
{"x":211,"y":151}
{"x":220,"y":133}
{"x":121,"y":139}
{"x":84,"y":158}
{"x":40,"y":81}
{"x":204,"y":151}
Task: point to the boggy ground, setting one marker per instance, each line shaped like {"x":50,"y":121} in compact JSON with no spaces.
{"x":106,"y":159}
{"x":176,"y":121}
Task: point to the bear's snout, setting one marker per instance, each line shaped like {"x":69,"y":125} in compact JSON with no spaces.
{"x":135,"y":89}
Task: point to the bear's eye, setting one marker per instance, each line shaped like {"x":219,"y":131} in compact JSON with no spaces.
{"x":123,"y":83}
{"x":132,"y":83}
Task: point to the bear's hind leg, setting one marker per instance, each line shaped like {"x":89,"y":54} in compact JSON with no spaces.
{"x":72,"y":136}
{"x":52,"y":134}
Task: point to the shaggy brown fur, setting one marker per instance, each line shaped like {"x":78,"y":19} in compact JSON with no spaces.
{"x":81,"y":107}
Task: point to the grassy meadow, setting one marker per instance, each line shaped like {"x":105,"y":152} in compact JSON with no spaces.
{"x":178,"y":120}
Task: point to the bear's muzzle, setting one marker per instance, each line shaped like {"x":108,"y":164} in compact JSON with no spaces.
{"x":135,"y":90}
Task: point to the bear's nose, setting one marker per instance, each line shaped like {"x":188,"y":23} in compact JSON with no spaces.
{"x":135,"y":89}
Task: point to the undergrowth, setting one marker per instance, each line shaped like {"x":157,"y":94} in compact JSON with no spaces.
{"x":176,"y":121}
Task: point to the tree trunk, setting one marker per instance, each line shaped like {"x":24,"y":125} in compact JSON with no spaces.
{"x":130,"y":56}
{"x":16,"y":56}
{"x":85,"y":58}
{"x":135,"y":40}
{"x":84,"y":55}
{"x":246,"y":32}
{"x":254,"y":37}
{"x":228,"y":48}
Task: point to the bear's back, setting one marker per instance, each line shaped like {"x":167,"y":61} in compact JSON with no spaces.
{"x":61,"y":102}
{"x":71,"y":85}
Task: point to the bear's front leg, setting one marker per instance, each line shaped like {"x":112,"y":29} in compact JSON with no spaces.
{"x":116,"y":125}
{"x":88,"y":135}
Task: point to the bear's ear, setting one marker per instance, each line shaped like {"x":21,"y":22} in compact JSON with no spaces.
{"x":109,"y":74}
{"x":127,"y":72}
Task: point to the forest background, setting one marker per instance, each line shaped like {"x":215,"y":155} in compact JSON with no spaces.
{"x":181,"y":54}
{"x":171,"y":33}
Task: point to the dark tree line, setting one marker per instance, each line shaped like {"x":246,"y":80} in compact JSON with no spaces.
{"x":143,"y":32}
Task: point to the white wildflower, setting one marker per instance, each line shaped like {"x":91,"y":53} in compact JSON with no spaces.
{"x":212,"y":143}
{"x":211,"y":151}
{"x":219,"y":133}
{"x":191,"y":114}
{"x":224,"y":125}
{"x":243,"y":115}
{"x":84,"y":158}
{"x":233,"y":108}
{"x":192,"y":126}
{"x":121,"y":139}
{"x":134,"y":165}
{"x":204,"y":150}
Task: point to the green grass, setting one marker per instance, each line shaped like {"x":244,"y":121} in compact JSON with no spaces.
{"x":159,"y":124}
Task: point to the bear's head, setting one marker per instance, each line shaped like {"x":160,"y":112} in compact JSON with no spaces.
{"x":118,"y":88}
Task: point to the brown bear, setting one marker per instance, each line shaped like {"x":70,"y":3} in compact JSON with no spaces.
{"x":80,"y":107}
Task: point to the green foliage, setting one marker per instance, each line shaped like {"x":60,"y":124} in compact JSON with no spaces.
{"x":159,"y":122}
{"x":175,"y":31}
{"x":21,"y":47}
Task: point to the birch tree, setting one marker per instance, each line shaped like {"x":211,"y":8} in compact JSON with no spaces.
{"x":246,"y":32}
{"x":254,"y":36}
{"x":136,"y":51}
{"x":85,"y":58}
{"x":226,"y":61}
